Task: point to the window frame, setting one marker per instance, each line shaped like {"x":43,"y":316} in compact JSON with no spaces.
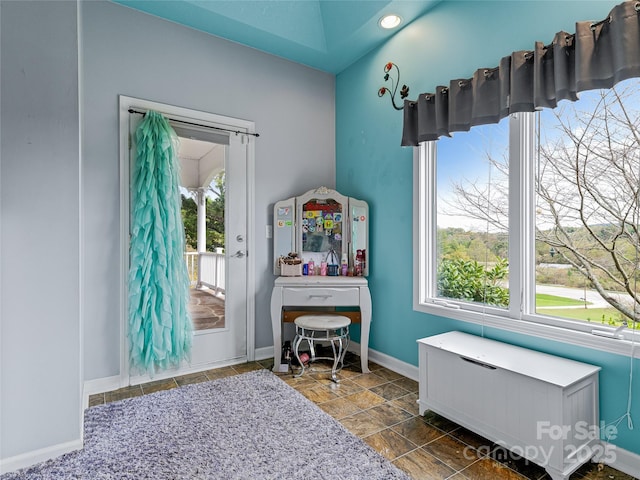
{"x":520,"y":317}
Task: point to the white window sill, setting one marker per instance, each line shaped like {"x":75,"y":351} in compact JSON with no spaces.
{"x":583,"y":338}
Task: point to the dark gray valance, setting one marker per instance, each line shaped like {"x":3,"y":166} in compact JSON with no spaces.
{"x":598,"y":55}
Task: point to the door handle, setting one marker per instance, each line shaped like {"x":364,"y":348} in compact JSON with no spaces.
{"x":239,"y":254}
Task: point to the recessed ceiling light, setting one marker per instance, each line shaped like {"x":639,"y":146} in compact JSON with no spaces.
{"x":390,"y":21}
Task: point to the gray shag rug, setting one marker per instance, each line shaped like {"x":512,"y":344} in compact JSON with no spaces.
{"x":247,"y":427}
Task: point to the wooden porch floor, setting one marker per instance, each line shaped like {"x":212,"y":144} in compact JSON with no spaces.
{"x":206,"y":309}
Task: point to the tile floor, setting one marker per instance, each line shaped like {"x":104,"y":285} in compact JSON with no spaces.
{"x":381,"y":408}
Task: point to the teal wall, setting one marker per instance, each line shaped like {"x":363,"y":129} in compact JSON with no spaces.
{"x":451,"y":41}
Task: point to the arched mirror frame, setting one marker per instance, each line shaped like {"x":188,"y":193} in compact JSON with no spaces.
{"x":293,"y":217}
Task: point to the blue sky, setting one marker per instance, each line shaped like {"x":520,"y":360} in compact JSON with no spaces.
{"x":464,"y":157}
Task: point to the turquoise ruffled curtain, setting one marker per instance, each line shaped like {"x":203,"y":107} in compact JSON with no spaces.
{"x":160,"y":327}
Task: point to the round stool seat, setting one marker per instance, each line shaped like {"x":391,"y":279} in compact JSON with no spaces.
{"x":316,"y":327}
{"x":322,"y":322}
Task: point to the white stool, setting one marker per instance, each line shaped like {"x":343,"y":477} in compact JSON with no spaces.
{"x":328,"y":328}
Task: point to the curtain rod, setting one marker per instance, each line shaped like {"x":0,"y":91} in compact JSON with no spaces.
{"x":237,"y":132}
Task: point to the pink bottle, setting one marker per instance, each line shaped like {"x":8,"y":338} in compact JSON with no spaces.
{"x":359,"y":263}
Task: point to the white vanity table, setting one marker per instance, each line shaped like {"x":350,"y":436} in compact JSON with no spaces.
{"x":322,"y":226}
{"x":318,"y":291}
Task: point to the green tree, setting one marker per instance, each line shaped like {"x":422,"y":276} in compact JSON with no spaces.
{"x":214,"y":216}
{"x":469,"y":280}
{"x":190,"y":220}
{"x":215,"y":212}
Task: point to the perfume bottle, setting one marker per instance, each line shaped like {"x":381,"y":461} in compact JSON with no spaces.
{"x":344,"y":265}
{"x":359,"y":263}
{"x":333,"y":265}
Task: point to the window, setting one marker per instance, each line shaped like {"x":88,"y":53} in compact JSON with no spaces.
{"x":534,"y":221}
{"x":472,"y":217}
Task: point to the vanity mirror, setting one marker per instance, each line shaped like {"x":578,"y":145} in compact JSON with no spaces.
{"x":327,"y":229}
{"x":330,"y":233}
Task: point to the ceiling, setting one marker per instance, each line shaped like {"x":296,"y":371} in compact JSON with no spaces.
{"x":328,"y":35}
{"x":200,"y":161}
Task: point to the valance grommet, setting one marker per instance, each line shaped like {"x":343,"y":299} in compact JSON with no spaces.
{"x":597,"y":24}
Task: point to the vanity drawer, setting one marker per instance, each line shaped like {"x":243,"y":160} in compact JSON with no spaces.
{"x":335,"y":297}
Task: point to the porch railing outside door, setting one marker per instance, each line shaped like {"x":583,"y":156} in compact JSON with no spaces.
{"x":211,"y":269}
{"x":206,"y":269}
{"x":191,"y":259}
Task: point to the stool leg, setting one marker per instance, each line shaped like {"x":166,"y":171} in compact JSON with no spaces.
{"x":344,"y":351}
{"x":336,"y":359}
{"x":312,"y":348}
{"x":296,"y":345}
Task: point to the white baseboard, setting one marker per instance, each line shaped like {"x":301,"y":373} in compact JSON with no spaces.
{"x":263,"y":353}
{"x":27,"y":459}
{"x":101,"y":385}
{"x":108,"y":384}
{"x":387,"y":361}
{"x":621,"y":459}
{"x":98,"y":385}
{"x":185,"y":369}
{"x":398,"y":366}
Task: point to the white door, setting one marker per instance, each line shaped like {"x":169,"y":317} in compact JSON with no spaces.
{"x":212,"y":347}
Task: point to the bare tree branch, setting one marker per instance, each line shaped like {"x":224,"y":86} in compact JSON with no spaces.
{"x":588,"y":193}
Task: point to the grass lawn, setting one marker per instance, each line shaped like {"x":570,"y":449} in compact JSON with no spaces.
{"x":544,"y":300}
{"x":592,"y":315}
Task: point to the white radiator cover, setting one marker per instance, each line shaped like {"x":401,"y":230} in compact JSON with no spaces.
{"x":539,"y":406}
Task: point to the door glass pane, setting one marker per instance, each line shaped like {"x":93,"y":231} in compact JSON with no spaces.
{"x":203,"y":210}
